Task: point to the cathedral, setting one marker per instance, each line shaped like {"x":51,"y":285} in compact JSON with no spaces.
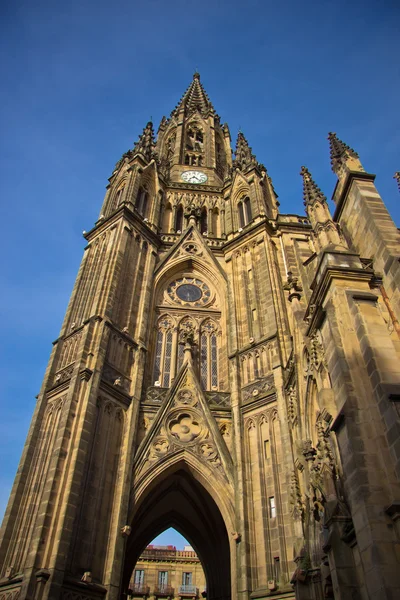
{"x":225,"y":369}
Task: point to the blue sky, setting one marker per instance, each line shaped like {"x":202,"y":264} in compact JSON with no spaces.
{"x":81,"y":80}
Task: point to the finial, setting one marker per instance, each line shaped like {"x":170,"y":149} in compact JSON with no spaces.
{"x":397,"y":177}
{"x":244,"y":158}
{"x":339,"y":151}
{"x":311,"y":192}
{"x":196,"y":75}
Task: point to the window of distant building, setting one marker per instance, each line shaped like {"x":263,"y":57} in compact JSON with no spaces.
{"x":186,"y":578}
{"x":139,"y":576}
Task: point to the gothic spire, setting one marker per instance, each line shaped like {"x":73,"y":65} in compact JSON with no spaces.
{"x":340,"y":152}
{"x":146,"y":145}
{"x":243,"y":155}
{"x":195,"y":98}
{"x":325,"y":230}
{"x":397,"y":177}
{"x":311,"y":192}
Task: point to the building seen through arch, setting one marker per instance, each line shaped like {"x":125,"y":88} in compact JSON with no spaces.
{"x":167,"y":571}
{"x":225,"y":369}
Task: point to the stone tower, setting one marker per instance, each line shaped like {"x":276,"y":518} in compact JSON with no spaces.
{"x":224,"y":369}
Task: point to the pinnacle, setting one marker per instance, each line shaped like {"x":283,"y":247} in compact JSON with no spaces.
{"x":311,"y":192}
{"x":243,"y":155}
{"x":194,"y":98}
{"x":339,"y":150}
{"x":145,"y":145}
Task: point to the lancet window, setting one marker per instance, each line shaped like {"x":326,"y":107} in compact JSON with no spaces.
{"x":203,"y":220}
{"x":244,"y":210}
{"x":167,"y":218}
{"x":209,"y":355}
{"x":194,"y":147}
{"x":179,"y":219}
{"x":142,"y":201}
{"x":163,"y":358}
{"x":118,"y":196}
{"x":170,"y":345}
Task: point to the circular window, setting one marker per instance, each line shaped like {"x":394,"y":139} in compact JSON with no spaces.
{"x":189,"y":292}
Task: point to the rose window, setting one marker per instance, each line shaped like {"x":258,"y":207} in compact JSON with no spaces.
{"x":189,"y":291}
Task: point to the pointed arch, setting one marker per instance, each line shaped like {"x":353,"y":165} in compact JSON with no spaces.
{"x":163,"y":361}
{"x":167,"y":218}
{"x":179,"y":219}
{"x":142,"y":200}
{"x":203,"y":220}
{"x":118,"y":194}
{"x":209,"y":368}
{"x":182,"y":493}
{"x":216,"y":222}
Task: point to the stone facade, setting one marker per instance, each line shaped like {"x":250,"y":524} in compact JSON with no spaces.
{"x":224,"y":369}
{"x":165,"y":572}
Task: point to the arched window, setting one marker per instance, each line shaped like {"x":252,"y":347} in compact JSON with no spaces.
{"x":241,"y":215}
{"x":216,"y":225}
{"x":142,"y":201}
{"x":118,"y":196}
{"x":209,"y":356}
{"x":244,"y":211}
{"x":166,"y":223}
{"x":247,"y":210}
{"x":203,"y":220}
{"x":163,"y":356}
{"x":179,"y":219}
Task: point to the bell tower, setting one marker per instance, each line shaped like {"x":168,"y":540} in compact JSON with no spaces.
{"x":213,"y":373}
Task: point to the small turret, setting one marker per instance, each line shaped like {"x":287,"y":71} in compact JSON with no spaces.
{"x":244,"y":158}
{"x":343,"y":158}
{"x":146,"y":144}
{"x":317,"y":208}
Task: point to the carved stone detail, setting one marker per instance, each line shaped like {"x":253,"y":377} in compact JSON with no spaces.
{"x":64,"y":375}
{"x":259,"y":388}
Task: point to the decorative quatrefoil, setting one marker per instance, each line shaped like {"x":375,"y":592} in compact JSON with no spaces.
{"x":185,"y":428}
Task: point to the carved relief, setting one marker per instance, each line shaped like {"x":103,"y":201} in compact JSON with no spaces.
{"x":155,"y":394}
{"x":10,"y":594}
{"x":184,"y":427}
{"x":292,"y":404}
{"x":185,"y":397}
{"x":221,"y":399}
{"x":64,"y":375}
{"x":257,"y":389}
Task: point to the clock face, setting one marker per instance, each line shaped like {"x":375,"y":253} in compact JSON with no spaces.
{"x":194,"y":177}
{"x":189,"y":292}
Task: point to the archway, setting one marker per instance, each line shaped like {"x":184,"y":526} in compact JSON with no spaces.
{"x":180,"y":501}
{"x":168,"y":566}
